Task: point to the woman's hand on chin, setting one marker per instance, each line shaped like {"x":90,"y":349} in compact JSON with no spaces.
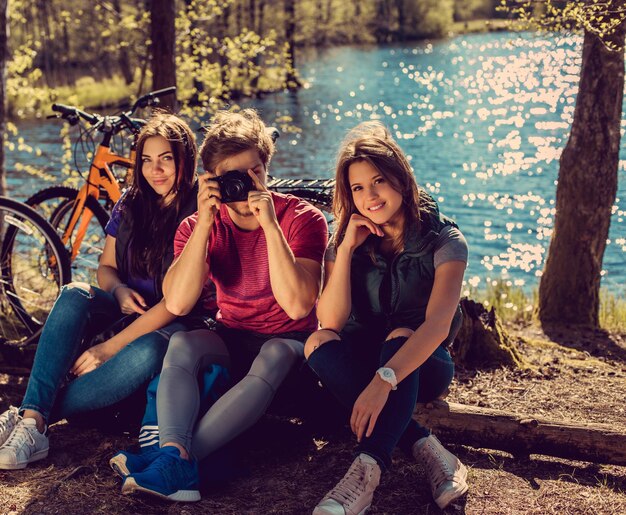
{"x":358,"y":229}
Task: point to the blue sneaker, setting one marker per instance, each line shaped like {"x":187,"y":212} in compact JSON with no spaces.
{"x":125,"y":463}
{"x":169,"y":477}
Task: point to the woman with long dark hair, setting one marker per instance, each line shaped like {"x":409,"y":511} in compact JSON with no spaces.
{"x":66,"y":378}
{"x":388,"y":310}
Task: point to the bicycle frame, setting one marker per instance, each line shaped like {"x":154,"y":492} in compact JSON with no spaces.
{"x":100,"y":177}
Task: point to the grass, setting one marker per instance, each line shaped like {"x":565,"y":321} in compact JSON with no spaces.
{"x":515,"y":305}
{"x":93,"y":94}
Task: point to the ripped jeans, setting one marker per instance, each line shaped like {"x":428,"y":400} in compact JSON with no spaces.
{"x":347,"y":366}
{"x":76,"y":314}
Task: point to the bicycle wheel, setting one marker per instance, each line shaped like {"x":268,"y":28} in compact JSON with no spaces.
{"x":56,"y":204}
{"x":33,"y":267}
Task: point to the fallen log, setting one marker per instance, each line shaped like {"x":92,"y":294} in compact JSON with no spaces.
{"x":523,"y":435}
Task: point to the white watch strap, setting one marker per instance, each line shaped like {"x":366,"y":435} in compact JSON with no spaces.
{"x":389,"y":376}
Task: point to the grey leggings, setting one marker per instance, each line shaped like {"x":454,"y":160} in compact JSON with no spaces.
{"x":178,"y":397}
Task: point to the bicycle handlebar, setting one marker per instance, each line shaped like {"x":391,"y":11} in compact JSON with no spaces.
{"x":151,"y":98}
{"x":70,"y":111}
{"x":113,"y":124}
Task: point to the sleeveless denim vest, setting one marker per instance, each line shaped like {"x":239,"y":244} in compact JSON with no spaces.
{"x":387,"y":294}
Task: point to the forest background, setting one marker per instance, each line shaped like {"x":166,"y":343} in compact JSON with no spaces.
{"x":103,"y":54}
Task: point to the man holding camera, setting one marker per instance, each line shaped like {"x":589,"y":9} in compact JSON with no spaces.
{"x":263,"y":251}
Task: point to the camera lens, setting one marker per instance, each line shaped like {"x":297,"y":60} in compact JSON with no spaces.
{"x":234,"y":188}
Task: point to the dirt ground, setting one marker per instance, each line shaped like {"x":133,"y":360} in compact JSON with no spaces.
{"x":285,"y":466}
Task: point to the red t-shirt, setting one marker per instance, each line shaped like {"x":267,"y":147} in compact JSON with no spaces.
{"x":239,"y":267}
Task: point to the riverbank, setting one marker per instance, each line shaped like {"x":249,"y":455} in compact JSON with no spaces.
{"x":92,"y":93}
{"x":518,"y":306}
{"x":287,"y":466}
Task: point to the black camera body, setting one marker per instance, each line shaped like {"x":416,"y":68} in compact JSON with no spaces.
{"x":235,"y":185}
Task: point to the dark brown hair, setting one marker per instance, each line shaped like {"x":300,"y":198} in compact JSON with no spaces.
{"x":153,"y":224}
{"x":371,"y":142}
{"x":231,"y":133}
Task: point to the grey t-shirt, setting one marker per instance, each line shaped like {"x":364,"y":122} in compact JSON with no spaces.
{"x":449,"y":246}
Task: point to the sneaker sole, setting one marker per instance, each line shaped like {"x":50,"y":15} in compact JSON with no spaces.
{"x":130,"y":486}
{"x":317,"y":511}
{"x":118,"y":464}
{"x":40,"y":455}
{"x":451,"y":495}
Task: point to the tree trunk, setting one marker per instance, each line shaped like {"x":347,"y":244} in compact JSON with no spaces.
{"x":221,"y":29}
{"x":401,"y":19}
{"x":587,"y":185}
{"x":292,"y":81}
{"x":260,"y":30}
{"x":123,"y":59}
{"x":522,"y":435}
{"x":46,"y":48}
{"x":198,"y":86}
{"x":4,"y":50}
{"x":256,"y":26}
{"x":163,"y":37}
{"x":319,"y":35}
{"x":482,"y":342}
{"x":381,"y":22}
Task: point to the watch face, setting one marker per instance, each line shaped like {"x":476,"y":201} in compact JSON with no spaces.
{"x":387,"y":374}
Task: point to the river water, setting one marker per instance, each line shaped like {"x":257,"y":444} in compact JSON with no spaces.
{"x":483,"y":119}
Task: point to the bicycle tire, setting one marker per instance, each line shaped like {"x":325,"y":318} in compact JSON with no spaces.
{"x":56,"y":204}
{"x":34,"y":265}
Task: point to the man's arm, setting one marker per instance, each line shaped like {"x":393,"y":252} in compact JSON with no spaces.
{"x":184,"y":280}
{"x":295,"y":281}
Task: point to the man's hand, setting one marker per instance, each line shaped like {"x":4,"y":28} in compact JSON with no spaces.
{"x":92,"y":358}
{"x":368,"y":406}
{"x":209,"y":199}
{"x":261,"y":203}
{"x":130,"y":301}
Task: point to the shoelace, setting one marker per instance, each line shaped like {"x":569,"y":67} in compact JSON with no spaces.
{"x":351,"y":485}
{"x":8,"y":422}
{"x":19,"y":436}
{"x":436,"y":466}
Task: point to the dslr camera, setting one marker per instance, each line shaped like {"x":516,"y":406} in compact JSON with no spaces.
{"x":235,"y":185}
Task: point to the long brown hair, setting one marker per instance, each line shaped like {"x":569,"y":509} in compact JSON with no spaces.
{"x":371,"y":142}
{"x":153,"y":223}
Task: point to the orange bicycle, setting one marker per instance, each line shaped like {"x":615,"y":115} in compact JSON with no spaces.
{"x":78,"y":214}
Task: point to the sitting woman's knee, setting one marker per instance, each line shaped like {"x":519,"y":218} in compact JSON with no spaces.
{"x":81,"y":288}
{"x":317,"y":339}
{"x":400,"y":332}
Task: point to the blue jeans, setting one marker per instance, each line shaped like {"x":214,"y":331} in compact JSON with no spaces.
{"x":76,"y":314}
{"x":347,"y":366}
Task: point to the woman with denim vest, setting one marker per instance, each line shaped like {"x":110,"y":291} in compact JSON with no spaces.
{"x":389,"y":308}
{"x":66,"y":378}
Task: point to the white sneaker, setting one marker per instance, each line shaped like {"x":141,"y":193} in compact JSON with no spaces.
{"x":24,"y":445}
{"x":445,"y":471}
{"x":8,"y":421}
{"x":353,"y":494}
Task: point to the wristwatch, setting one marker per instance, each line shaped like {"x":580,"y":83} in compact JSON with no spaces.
{"x":389,"y":376}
